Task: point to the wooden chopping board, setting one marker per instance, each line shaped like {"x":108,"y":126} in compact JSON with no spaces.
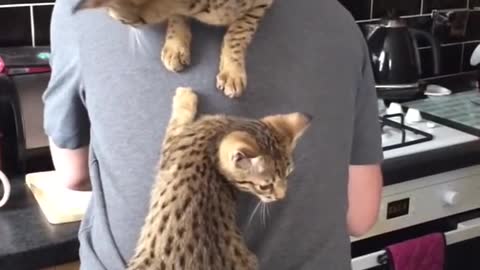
{"x":58,"y":203}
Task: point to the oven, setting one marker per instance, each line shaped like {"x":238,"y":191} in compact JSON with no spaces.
{"x":447,"y":202}
{"x":432,"y":185}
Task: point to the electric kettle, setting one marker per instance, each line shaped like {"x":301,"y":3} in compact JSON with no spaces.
{"x":395,"y":57}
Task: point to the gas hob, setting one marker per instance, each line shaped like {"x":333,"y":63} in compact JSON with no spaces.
{"x":405,"y":132}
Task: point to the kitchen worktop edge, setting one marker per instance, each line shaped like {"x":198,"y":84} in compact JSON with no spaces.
{"x":28,"y":241}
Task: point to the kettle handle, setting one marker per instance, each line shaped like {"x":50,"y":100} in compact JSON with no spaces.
{"x":435,"y":47}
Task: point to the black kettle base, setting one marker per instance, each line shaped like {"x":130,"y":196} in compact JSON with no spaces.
{"x":400,"y":95}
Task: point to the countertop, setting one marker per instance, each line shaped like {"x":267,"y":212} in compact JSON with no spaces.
{"x":27,"y":240}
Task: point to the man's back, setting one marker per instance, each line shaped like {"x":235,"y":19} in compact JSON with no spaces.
{"x":307,"y":56}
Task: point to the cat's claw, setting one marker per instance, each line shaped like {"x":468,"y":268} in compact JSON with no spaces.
{"x":231,"y":83}
{"x":175,"y":56}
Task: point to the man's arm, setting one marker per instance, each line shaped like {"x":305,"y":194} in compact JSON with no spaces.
{"x":66,"y":121}
{"x":365,"y":182}
{"x":71,"y":165}
{"x":364,"y":193}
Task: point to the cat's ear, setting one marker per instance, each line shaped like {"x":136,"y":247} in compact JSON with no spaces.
{"x":89,"y":4}
{"x":241,"y":160}
{"x":292,"y":126}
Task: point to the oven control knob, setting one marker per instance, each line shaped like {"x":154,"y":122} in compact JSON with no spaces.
{"x":394,"y":108}
{"x":413,"y":116}
{"x":451,"y":198}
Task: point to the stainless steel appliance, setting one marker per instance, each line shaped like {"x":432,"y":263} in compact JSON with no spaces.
{"x":395,"y":57}
{"x":432,"y":185}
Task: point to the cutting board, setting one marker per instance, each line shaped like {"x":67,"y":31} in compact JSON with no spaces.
{"x":58,"y":203}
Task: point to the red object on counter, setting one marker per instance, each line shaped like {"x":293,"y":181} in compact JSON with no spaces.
{"x":22,"y":70}
{"x":2,"y":65}
{"x":26,"y":70}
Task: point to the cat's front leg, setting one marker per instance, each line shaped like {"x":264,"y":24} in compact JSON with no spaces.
{"x":184,"y":107}
{"x":176,"y":50}
{"x":232,"y":76}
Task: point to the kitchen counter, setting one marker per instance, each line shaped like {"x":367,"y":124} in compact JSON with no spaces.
{"x":27,"y":240}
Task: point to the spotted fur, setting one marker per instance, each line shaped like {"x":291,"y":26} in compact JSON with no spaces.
{"x":191,"y":223}
{"x":241,"y":17}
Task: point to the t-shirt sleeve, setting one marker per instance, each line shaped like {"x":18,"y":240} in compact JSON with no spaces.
{"x":367,"y":140}
{"x":65,"y":117}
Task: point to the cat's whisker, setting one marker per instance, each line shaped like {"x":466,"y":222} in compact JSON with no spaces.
{"x":253,"y":213}
{"x":268,"y":210}
{"x":138,"y":41}
{"x":135,"y":42}
{"x":264,"y":219}
{"x":132,"y":38}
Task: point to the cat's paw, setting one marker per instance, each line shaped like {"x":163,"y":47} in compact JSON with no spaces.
{"x":175,"y":55}
{"x":185,"y":99}
{"x":232,"y":80}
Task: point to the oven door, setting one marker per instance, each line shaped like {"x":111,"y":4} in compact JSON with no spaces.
{"x":462,"y":234}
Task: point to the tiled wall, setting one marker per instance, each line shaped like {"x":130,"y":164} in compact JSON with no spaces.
{"x":457,"y":46}
{"x":25,"y":22}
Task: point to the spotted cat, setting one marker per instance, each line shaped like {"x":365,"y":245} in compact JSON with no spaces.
{"x":241,"y":17}
{"x":191,"y":219}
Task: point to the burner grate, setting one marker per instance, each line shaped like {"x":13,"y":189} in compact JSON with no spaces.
{"x":385,"y":120}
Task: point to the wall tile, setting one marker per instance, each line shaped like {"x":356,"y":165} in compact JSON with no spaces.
{"x":450,"y":28}
{"x":429,"y":5}
{"x":450,"y":59}
{"x":383,"y":7}
{"x":8,"y":2}
{"x":424,"y":23}
{"x":452,"y":32}
{"x":473,"y":28}
{"x":453,"y":55}
{"x":474,"y":3}
{"x":359,"y":9}
{"x":467,"y":53}
{"x":15,"y":27}
{"x":41,"y":17}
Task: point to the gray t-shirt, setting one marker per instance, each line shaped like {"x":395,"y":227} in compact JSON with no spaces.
{"x":110,"y":90}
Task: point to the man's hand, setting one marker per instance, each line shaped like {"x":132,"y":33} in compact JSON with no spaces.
{"x":71,"y":166}
{"x":364,"y":193}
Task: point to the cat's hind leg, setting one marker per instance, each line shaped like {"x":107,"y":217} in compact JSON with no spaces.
{"x":176,"y":50}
